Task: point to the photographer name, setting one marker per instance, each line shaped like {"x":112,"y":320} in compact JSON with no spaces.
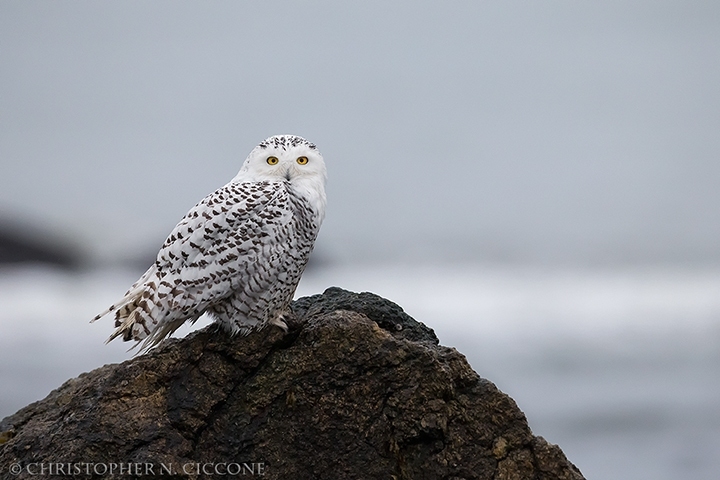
{"x":139,"y":469}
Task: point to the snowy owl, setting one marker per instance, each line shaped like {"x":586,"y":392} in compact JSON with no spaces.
{"x":238,"y":254}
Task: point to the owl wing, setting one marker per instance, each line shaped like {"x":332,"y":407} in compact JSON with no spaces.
{"x":199,"y":263}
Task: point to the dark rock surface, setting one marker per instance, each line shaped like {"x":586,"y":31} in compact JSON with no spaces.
{"x":356,"y":389}
{"x":22,"y":244}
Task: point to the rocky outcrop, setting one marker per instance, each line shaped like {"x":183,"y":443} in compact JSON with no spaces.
{"x":357,"y":389}
{"x":21,"y":243}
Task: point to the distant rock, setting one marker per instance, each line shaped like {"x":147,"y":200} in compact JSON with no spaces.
{"x":356,"y":390}
{"x":22,"y":244}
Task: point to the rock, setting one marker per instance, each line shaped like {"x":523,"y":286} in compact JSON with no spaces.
{"x":356,"y":389}
{"x":21,"y":243}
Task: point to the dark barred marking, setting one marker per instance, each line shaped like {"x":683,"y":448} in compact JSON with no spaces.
{"x":285,"y":142}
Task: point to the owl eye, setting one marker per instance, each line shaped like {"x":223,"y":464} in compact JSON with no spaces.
{"x":302,"y":160}
{"x":272,"y":160}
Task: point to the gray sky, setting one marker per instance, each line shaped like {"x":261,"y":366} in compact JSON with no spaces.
{"x":552,"y":131}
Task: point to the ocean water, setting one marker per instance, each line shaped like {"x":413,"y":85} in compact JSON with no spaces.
{"x":620,"y":367}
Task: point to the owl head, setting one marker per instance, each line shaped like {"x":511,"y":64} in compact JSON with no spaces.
{"x":284,"y":158}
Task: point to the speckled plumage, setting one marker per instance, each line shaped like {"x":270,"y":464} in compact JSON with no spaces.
{"x":238,"y":254}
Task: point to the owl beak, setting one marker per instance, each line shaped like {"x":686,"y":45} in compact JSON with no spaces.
{"x":287,"y":174}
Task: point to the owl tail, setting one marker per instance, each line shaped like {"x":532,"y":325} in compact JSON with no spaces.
{"x":139,"y":317}
{"x":136,"y":313}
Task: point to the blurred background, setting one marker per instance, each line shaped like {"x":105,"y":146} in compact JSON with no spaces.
{"x":536,"y":181}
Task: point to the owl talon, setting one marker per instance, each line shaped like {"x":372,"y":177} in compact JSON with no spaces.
{"x":278,"y":322}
